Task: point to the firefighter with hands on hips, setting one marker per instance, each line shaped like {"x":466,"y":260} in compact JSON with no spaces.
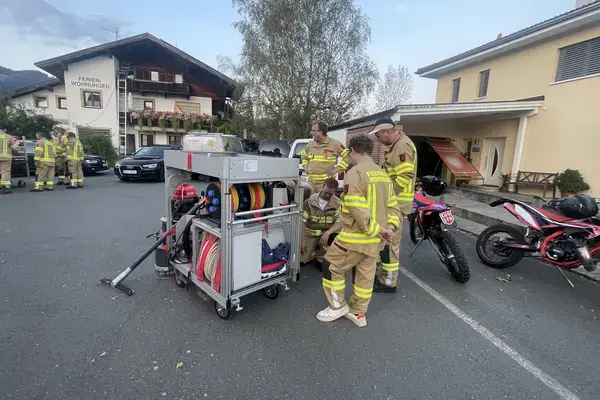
{"x":320,"y":217}
{"x":44,"y":164}
{"x":370,"y":216}
{"x":74,"y":154}
{"x":320,"y":157}
{"x":60,"y":143}
{"x":7,"y":145}
{"x":400,"y":161}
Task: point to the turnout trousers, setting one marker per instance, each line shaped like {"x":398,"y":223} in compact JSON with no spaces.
{"x":341,"y":260}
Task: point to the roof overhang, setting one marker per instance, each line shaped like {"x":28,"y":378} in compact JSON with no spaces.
{"x":46,"y":85}
{"x":55,"y":66}
{"x":456,"y":111}
{"x":572,"y":21}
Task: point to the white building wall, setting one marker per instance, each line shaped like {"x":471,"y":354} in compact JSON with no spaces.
{"x":52,"y":98}
{"x":162,"y":103}
{"x":94,"y":75}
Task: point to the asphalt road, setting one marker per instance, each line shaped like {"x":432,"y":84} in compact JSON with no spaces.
{"x":64,"y":336}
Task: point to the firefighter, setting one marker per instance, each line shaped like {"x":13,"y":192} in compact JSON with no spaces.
{"x":74,"y":153}
{"x":7,"y":144}
{"x":400,"y":160}
{"x":60,"y":142}
{"x":320,"y":157}
{"x":44,"y":164}
{"x":369,"y":213}
{"x":320,"y":216}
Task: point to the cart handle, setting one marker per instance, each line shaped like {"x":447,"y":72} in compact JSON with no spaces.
{"x":243,"y":221}
{"x":263,"y":210}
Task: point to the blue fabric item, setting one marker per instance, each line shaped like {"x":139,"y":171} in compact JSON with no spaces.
{"x":269,"y":256}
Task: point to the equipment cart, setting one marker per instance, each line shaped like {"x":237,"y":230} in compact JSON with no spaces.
{"x":20,"y":164}
{"x":246,"y":238}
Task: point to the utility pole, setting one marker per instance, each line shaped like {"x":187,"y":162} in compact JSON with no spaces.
{"x":115,"y":31}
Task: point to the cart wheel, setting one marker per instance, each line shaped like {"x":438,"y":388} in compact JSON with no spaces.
{"x":222,"y":312}
{"x":271,"y":292}
{"x":179,"y":279}
{"x":21,"y":184}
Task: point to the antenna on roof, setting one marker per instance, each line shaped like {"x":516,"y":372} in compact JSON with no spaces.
{"x":115,"y":31}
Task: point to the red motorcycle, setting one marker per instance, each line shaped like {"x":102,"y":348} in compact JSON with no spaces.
{"x":428,"y":221}
{"x":564,"y":233}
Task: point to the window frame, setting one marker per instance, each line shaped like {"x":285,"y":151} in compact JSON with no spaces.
{"x":483,"y":73}
{"x":149,"y":101}
{"x":83,"y":102}
{"x":38,"y":99}
{"x":58,"y":102}
{"x":456,"y":89}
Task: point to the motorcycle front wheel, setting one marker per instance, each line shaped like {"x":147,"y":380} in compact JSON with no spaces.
{"x":416,"y":232}
{"x":455,"y":259}
{"x":492,"y":253}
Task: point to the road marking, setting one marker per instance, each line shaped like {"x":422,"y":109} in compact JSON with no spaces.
{"x":552,"y":383}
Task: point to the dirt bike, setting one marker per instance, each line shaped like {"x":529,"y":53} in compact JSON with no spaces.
{"x":564,"y":233}
{"x":428,"y":221}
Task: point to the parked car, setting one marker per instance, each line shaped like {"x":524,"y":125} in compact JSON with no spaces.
{"x":274,"y":148}
{"x":91,"y":164}
{"x":146,"y":163}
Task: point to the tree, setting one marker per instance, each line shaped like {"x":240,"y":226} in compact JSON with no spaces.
{"x":22,"y":120}
{"x":394,"y":89}
{"x":302,"y":61}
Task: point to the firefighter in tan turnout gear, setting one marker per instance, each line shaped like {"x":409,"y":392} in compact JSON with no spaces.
{"x":7,"y":144}
{"x":320,"y":157}
{"x":400,"y":160}
{"x":320,"y":216}
{"x":74,"y":154}
{"x":369,"y":213}
{"x":44,"y":164}
{"x":60,"y":143}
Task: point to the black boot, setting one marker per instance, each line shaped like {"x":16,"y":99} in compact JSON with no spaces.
{"x":379,"y":288}
{"x":71,"y":187}
{"x":59,"y":183}
{"x":34,"y":190}
{"x":5,"y":191}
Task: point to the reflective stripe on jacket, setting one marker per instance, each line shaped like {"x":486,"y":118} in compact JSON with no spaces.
{"x":74,"y":151}
{"x":320,"y":159}
{"x":7,"y":143}
{"x":368,"y":204}
{"x":44,"y":151}
{"x":400,"y":163}
{"x":60,"y":145}
{"x":318,"y":221}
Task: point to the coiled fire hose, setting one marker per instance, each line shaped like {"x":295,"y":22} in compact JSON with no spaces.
{"x":209,"y":261}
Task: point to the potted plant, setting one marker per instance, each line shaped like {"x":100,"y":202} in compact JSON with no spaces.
{"x":505,"y":182}
{"x":570,"y":181}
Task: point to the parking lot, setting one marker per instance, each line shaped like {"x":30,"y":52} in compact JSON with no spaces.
{"x":64,"y":336}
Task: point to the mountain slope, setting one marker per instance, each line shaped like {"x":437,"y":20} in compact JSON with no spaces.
{"x":11,"y":80}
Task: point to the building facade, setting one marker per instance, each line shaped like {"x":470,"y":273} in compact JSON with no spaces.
{"x":523,"y":102}
{"x":139,"y":90}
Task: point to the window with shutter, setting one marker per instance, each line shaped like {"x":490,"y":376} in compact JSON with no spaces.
{"x":187,"y":107}
{"x":484,"y":78}
{"x":578,"y":60}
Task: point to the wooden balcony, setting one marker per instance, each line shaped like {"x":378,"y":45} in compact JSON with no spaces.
{"x":178,"y":89}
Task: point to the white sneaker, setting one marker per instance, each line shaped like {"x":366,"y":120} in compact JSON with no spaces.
{"x":359,"y":320}
{"x":328,"y":314}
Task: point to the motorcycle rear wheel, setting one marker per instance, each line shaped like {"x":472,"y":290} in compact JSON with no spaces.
{"x":510,"y":257}
{"x":449,"y":246}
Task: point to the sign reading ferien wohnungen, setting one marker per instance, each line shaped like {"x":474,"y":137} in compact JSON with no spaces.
{"x":90,"y":83}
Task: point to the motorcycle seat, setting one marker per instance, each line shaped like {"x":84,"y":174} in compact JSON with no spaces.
{"x":553,"y":214}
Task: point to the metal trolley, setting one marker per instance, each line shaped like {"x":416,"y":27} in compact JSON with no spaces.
{"x":240,"y":233}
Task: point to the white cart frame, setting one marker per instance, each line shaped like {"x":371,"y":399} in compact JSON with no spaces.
{"x":230,"y":169}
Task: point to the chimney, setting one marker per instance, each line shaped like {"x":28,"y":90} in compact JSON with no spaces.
{"x":581,"y":3}
{"x":499,"y":36}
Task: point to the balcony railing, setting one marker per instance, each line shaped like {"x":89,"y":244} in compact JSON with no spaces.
{"x":168,"y":122}
{"x":180,"y":89}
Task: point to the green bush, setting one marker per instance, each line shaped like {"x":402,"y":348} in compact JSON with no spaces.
{"x":571,"y":181}
{"x":98,"y":144}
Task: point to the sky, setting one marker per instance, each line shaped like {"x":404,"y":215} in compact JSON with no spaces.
{"x":411,"y":33}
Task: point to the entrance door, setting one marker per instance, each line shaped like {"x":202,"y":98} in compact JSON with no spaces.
{"x":493,"y":161}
